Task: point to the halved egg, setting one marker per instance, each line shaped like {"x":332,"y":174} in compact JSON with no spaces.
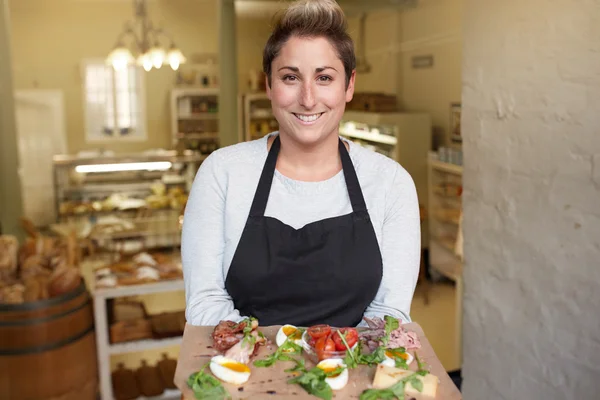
{"x":330,"y":364}
{"x":229,"y":370}
{"x":288,"y":332}
{"x":391,"y":362}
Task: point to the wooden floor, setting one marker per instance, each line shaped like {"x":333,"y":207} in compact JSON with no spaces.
{"x":438,"y":320}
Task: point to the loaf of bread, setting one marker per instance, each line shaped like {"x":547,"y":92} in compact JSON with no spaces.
{"x":9,"y":249}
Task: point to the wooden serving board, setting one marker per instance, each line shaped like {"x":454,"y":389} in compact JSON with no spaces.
{"x":196,"y":350}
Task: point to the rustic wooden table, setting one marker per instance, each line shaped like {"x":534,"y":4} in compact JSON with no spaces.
{"x":272,"y":383}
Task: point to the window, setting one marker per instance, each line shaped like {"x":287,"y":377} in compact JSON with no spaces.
{"x":114,"y":102}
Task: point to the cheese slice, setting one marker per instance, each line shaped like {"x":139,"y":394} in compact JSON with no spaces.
{"x":388,"y":376}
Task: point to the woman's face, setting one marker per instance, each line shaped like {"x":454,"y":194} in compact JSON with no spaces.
{"x":308,"y":90}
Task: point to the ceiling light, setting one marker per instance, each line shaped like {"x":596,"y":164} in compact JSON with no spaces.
{"x":145,"y":41}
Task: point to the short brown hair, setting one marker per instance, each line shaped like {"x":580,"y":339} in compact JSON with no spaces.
{"x":311,"y":19}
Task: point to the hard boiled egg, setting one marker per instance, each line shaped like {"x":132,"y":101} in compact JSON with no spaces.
{"x":335,"y":382}
{"x":288,"y":332}
{"x":229,"y":370}
{"x":391,"y":362}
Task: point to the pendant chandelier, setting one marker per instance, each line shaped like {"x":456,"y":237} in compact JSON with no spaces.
{"x":148,"y":51}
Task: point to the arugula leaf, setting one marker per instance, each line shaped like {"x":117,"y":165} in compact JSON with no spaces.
{"x":281,"y":354}
{"x":351,"y":358}
{"x":375,"y":394}
{"x":423,"y":367}
{"x":248,"y":339}
{"x":395,"y":391}
{"x":300,"y":367}
{"x":391,"y":324}
{"x":374,"y":358}
{"x":206,"y":387}
{"x":416,"y":383}
{"x":398,"y":355}
{"x":313,"y":381}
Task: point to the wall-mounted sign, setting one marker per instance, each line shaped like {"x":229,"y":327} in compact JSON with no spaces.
{"x":422,"y":61}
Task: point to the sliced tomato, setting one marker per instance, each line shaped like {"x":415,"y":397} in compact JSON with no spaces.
{"x":351,"y":336}
{"x":323,"y":346}
{"x":319,"y":331}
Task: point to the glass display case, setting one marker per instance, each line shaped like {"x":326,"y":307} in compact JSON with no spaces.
{"x":124,"y":203}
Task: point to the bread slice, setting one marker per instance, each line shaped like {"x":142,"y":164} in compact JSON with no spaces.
{"x":389,"y":376}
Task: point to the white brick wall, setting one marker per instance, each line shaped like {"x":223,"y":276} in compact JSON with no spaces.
{"x":531,"y":122}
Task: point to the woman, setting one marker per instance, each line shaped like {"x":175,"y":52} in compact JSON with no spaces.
{"x":301,"y":227}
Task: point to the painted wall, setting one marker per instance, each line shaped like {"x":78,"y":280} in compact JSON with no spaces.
{"x":433,"y":28}
{"x":252,"y":35}
{"x":532,"y":199}
{"x":51,"y":38}
{"x":381,"y":38}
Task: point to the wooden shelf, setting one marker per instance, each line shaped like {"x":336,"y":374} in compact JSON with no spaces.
{"x":445,"y":245}
{"x":135,"y":290}
{"x":141,"y":345}
{"x":446,"y":167}
{"x":372,"y":137}
{"x":199,"y":136}
{"x":199,"y":116}
{"x":451,"y":271}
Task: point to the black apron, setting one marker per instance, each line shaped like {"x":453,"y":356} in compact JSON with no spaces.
{"x":326,"y":272}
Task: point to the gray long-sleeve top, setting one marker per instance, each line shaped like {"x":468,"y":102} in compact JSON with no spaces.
{"x":219,"y":204}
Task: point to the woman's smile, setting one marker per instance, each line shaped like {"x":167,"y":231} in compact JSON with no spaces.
{"x":308,"y":119}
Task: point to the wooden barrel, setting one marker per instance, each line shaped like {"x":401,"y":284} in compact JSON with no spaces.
{"x":48,"y":349}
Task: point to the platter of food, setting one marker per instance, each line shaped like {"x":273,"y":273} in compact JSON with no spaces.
{"x":385,"y":360}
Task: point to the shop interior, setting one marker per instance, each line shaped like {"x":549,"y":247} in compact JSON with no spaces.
{"x":108,"y":144}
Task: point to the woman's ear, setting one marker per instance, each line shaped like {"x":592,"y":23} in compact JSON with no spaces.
{"x":350,"y":88}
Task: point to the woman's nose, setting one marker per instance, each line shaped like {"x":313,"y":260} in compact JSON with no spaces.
{"x":307,"y":96}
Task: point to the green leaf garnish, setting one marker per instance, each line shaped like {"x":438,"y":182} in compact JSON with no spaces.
{"x":391,"y":324}
{"x":299,"y":367}
{"x":374,"y":358}
{"x":313,"y":381}
{"x":395,"y":391}
{"x":281,"y":354}
{"x":423,"y":368}
{"x":416,"y":383}
{"x":207,"y":387}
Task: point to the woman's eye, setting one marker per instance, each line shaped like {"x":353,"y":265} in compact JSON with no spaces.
{"x":324,"y":78}
{"x":290,"y":78}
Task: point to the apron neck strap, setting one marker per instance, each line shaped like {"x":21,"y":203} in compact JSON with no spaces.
{"x":259,"y":204}
{"x":354,"y":191}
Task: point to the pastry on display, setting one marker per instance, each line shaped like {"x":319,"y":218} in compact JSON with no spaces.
{"x":140,"y":269}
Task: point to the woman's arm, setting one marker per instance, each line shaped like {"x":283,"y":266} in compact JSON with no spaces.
{"x":202,"y":246}
{"x":400,"y":250}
